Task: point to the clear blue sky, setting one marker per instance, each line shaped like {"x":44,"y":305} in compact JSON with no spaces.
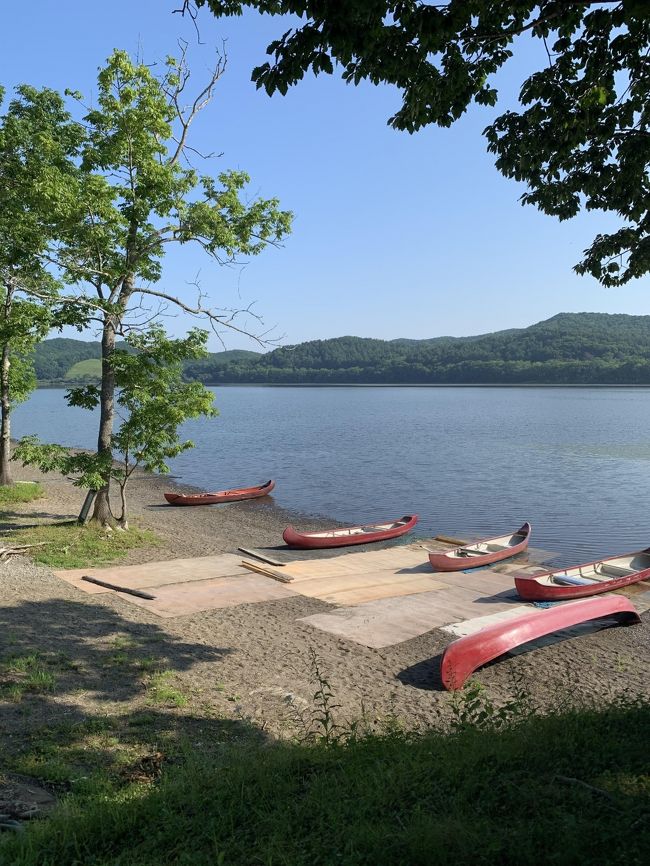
{"x":394,"y":236}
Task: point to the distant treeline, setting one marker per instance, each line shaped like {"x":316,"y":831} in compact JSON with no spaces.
{"x":570,"y":348}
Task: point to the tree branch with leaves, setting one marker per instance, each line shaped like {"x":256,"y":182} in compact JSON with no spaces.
{"x":152,"y":402}
{"x":38,"y":140}
{"x":581,"y":137}
{"x":136,"y":195}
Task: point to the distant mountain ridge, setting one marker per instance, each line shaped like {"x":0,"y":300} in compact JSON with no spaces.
{"x":569,"y":348}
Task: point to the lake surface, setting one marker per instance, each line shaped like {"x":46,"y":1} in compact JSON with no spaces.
{"x":573,"y":461}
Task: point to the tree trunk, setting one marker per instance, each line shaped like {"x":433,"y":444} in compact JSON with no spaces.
{"x":5,"y":425}
{"x":123,"y":521}
{"x":102,"y":511}
{"x":5,"y":397}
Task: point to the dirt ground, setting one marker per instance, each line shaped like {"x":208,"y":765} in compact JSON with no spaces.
{"x":252,"y":663}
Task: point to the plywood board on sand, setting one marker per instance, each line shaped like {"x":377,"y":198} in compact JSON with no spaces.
{"x":389,"y":621}
{"x":401,"y":560}
{"x":155,"y":573}
{"x":188,"y":598}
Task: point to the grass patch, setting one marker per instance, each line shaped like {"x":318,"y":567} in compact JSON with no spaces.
{"x":70,"y":545}
{"x":26,"y":674}
{"x":563,"y":789}
{"x":22,"y":491}
{"x":85,"y":760}
{"x":161,"y":690}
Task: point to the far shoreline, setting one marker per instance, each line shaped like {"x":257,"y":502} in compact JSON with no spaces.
{"x":66,"y":386}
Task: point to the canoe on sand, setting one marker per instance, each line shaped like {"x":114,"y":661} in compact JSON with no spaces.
{"x":350,"y":534}
{"x":592,"y":578}
{"x":465,"y":655}
{"x":482,"y":552}
{"x":220,"y":496}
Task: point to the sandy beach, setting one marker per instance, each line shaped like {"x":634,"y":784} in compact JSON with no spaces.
{"x":252,"y":662}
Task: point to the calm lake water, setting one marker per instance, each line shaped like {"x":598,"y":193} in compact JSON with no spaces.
{"x":573,"y":461}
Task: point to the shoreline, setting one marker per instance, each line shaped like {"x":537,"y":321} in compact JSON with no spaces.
{"x":252,"y":661}
{"x":61,"y":386}
{"x":204,"y":530}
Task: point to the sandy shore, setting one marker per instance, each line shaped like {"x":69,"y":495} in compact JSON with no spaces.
{"x":252,"y":662}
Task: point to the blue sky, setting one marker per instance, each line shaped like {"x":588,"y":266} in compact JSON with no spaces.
{"x":394,"y":235}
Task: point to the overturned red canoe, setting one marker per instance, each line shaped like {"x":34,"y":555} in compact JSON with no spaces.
{"x":220,"y":496}
{"x":591,"y":578}
{"x":350,"y":534}
{"x":482,"y":552}
{"x":465,"y":655}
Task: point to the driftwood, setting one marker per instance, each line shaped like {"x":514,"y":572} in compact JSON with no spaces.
{"x":449,"y":540}
{"x":19,"y":550}
{"x":117,"y":588}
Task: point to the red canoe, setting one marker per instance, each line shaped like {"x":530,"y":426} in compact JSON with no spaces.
{"x":350,"y":535}
{"x":220,"y":495}
{"x":592,"y":578}
{"x":465,"y":655}
{"x":482,"y":552}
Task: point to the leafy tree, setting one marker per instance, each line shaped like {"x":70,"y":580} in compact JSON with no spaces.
{"x":581,"y":138}
{"x":136,"y":194}
{"x":152,"y":402}
{"x":37,"y":139}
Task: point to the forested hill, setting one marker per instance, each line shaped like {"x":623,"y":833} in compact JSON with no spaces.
{"x":570,"y":348}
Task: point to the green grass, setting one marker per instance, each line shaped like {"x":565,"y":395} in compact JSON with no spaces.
{"x":70,"y":545}
{"x":91,"y":368}
{"x":31,"y":673}
{"x":22,"y":491}
{"x":161,"y":690}
{"x":572,"y":788}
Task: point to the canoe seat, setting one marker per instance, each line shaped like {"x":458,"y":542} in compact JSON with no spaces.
{"x":572,"y":580}
{"x":615,"y":570}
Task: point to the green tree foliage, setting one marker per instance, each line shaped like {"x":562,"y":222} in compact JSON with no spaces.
{"x":581,"y":137}
{"x":152,"y":402}
{"x":136,"y":194}
{"x":37,"y":139}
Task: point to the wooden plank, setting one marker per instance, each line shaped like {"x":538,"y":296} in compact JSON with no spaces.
{"x":261,"y":556}
{"x":117,"y":588}
{"x":267,"y":572}
{"x":449,"y":540}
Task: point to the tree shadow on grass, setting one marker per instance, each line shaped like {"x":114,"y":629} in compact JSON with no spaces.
{"x":67,"y":661}
{"x":91,"y":702}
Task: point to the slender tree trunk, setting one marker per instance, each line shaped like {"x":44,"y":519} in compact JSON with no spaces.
{"x":5,"y":426}
{"x":5,"y":398}
{"x":123,"y":521}
{"x":102,"y":511}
